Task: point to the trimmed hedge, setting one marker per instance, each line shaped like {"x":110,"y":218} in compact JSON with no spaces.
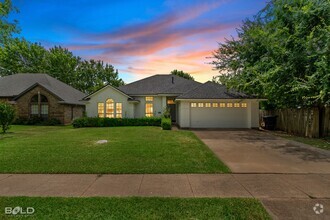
{"x":115,"y":122}
{"x":166,"y":123}
{"x":37,"y":121}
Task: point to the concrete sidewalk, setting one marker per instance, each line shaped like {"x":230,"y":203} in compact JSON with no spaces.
{"x":302,"y":186}
{"x":290,"y":196}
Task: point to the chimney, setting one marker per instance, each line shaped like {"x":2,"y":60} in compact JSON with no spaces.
{"x":172,"y":79}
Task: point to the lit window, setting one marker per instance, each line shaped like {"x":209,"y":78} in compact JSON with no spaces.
{"x":207,"y":105}
{"x":222,"y":105}
{"x":170,"y":102}
{"x":215,"y":105}
{"x":149,"y":110}
{"x":149,"y":98}
{"x":100,"y":109}
{"x":110,"y":110}
{"x":200,"y":105}
{"x":119,"y":110}
{"x":193,"y":105}
{"x":243,"y":105}
{"x":229,"y":105}
{"x":236,"y":105}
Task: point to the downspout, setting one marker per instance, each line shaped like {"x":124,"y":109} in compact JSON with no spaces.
{"x":39,"y":105}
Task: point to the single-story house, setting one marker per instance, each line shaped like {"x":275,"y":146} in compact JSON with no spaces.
{"x":192,"y":104}
{"x":40,"y":95}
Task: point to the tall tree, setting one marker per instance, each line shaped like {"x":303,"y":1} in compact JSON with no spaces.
{"x":182,"y":74}
{"x":21,"y":56}
{"x":92,"y":75}
{"x":7,"y":27}
{"x":282,"y":54}
{"x":62,"y":64}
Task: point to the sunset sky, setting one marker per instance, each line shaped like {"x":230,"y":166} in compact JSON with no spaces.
{"x":138,"y":37}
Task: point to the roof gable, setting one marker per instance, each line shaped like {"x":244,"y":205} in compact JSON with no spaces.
{"x":103,"y":88}
{"x":18,"y":84}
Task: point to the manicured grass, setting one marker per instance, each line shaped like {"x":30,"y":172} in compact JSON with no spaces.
{"x":62,"y":149}
{"x":136,"y":208}
{"x":323,"y":143}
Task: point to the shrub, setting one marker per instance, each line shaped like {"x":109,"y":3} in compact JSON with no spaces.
{"x":115,"y":122}
{"x":35,"y":120}
{"x":166,"y":123}
{"x":7,"y":115}
{"x":167,"y":113}
{"x":51,"y":122}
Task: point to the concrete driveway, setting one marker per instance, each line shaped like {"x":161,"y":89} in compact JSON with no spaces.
{"x":252,"y":151}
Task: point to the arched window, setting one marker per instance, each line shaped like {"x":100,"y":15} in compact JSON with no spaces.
{"x":109,"y":109}
{"x":39,"y":106}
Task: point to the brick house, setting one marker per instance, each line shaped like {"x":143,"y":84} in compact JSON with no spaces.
{"x":40,"y":95}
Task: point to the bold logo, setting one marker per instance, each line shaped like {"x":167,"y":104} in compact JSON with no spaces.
{"x":19,"y":210}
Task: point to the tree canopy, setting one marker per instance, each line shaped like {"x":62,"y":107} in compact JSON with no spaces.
{"x":22,"y":56}
{"x":182,"y":74}
{"x":282,"y":54}
{"x":7,"y":27}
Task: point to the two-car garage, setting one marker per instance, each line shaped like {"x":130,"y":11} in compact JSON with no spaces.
{"x":218,"y":113}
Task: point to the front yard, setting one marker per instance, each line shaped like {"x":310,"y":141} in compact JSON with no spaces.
{"x":135,"y":208}
{"x":62,"y":149}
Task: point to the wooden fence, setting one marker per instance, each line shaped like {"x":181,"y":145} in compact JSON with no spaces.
{"x":302,"y":122}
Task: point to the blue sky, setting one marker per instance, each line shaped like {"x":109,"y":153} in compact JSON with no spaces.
{"x":140,"y":38}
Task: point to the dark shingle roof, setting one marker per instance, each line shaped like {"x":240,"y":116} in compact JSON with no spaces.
{"x":159,"y":84}
{"x":14,"y":85}
{"x":211,"y":90}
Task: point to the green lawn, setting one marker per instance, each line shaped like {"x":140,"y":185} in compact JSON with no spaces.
{"x":62,"y":149}
{"x":135,"y":208}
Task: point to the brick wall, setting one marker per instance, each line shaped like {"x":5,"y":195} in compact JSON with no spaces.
{"x":72,"y":112}
{"x":55,"y":110}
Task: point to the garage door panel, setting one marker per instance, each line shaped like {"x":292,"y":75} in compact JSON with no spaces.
{"x":218,"y":118}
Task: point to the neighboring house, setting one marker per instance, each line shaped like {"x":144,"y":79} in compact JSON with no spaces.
{"x":40,"y":95}
{"x":192,"y":104}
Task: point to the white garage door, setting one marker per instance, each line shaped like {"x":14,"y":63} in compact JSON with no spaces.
{"x":218,"y":117}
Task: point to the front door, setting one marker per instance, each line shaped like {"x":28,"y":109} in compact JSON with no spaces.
{"x":172,"y":106}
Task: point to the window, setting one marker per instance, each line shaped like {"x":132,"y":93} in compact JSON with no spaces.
{"x":149,"y":110}
{"x":119,"y":110}
{"x":44,"y":109}
{"x":215,"y":105}
{"x":207,"y":105}
{"x":100,"y":109}
{"x":200,"y":105}
{"x":110,"y":110}
{"x":149,"y":99}
{"x":243,"y":105}
{"x":236,"y":105}
{"x":39,"y":106}
{"x":229,"y":105}
{"x":222,"y":105}
{"x":170,"y":102}
{"x":193,"y":105}
{"x":34,"y":109}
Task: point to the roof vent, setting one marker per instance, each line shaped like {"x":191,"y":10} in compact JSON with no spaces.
{"x":172,"y":79}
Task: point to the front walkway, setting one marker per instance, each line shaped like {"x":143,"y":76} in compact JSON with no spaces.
{"x":283,"y":195}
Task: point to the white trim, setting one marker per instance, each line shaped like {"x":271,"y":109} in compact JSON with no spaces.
{"x":105,"y":88}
